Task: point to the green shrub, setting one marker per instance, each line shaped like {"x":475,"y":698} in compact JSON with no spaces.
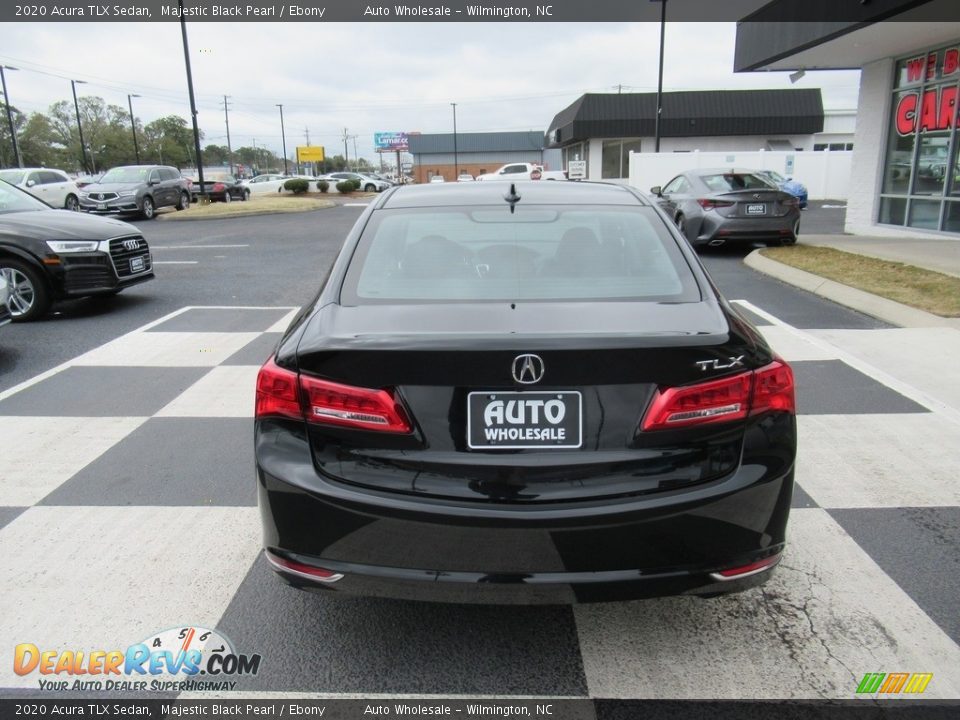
{"x":356,"y":184}
{"x":345,"y":186}
{"x":297,"y":185}
{"x":323,"y":186}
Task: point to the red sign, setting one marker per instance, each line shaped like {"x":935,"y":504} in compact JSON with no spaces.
{"x":936,"y":110}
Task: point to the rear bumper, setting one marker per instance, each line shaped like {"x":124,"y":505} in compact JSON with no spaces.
{"x":718,"y":230}
{"x":401,"y":546}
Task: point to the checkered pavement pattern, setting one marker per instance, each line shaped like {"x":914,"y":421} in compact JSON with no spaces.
{"x":127,"y":506}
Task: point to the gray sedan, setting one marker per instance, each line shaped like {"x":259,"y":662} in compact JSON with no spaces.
{"x":715,"y":207}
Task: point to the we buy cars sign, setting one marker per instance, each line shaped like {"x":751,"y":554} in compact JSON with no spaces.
{"x":937,"y":108}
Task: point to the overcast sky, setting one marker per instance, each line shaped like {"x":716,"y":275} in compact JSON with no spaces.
{"x":374,"y":76}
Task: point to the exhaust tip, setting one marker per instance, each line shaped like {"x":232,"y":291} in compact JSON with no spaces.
{"x":716,"y":242}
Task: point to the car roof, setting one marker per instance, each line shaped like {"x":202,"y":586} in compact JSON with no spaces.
{"x":492,"y":193}
{"x":723,"y":171}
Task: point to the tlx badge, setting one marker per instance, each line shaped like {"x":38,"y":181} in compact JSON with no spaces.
{"x":719,"y":364}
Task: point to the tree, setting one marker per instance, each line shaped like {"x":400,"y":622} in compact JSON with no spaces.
{"x":7,"y":157}
{"x":169,"y":141}
{"x":214,"y":155}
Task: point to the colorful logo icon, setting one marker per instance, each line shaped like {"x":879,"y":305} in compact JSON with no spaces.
{"x":894,"y":683}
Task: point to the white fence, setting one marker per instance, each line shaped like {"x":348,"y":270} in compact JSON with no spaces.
{"x":826,"y":174}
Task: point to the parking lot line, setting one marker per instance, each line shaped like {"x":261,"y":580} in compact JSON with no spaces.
{"x":175,"y":262}
{"x":194,"y":247}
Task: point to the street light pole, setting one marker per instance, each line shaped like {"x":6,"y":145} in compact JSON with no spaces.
{"x":6,"y":103}
{"x":133,"y":124}
{"x":76,"y":106}
{"x":283,"y":135}
{"x":456,"y":163}
{"x":193,"y":102}
{"x":663,"y":24}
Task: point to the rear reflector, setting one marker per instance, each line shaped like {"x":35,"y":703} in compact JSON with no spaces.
{"x":743,"y":571}
{"x":708,"y":204}
{"x":309,"y":572}
{"x":284,"y":393}
{"x":768,"y":389}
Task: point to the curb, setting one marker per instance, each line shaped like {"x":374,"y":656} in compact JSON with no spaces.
{"x":170,"y":217}
{"x":887,"y":310}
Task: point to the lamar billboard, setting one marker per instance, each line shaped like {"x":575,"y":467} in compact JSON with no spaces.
{"x":390,"y":142}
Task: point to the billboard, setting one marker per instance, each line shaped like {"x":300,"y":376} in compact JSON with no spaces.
{"x":390,"y":142}
{"x":310,"y":153}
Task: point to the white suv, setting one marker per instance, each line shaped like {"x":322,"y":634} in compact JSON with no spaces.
{"x":54,"y":187}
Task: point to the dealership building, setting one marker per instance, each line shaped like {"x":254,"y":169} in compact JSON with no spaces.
{"x":905,"y":175}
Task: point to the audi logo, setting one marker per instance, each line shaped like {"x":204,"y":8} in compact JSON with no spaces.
{"x":131,"y":244}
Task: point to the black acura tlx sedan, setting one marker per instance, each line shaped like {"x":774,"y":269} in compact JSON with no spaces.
{"x":527,"y":393}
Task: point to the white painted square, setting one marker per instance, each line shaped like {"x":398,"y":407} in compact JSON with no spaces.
{"x":225,"y":391}
{"x":875,"y":461}
{"x":167,"y":349}
{"x":828,"y":616}
{"x":104,"y":578}
{"x":282,"y":324}
{"x":793,"y":347}
{"x":41,"y":453}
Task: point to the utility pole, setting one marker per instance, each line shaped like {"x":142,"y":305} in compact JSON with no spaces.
{"x":283,"y":134}
{"x":6,"y":102}
{"x":346,"y":155}
{"x":226,"y":117}
{"x":356,"y":157}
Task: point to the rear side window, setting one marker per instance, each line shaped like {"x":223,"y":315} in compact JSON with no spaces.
{"x":735,"y":181}
{"x":169,"y":174}
{"x":538,"y":253}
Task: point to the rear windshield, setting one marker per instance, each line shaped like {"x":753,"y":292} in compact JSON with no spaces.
{"x":735,"y":181}
{"x":14,"y":177}
{"x":540,"y":253}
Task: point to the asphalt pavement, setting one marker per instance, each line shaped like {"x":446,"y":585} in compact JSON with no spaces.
{"x":128,"y":503}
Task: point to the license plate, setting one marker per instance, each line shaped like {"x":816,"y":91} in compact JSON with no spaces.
{"x":136,"y":264}
{"x":760,"y":209}
{"x":101,"y":206}
{"x":521,"y":420}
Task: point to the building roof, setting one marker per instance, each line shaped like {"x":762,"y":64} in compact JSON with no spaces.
{"x":477,"y":142}
{"x":689,"y":114}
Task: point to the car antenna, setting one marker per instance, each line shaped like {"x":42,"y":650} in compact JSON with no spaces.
{"x":512,"y":197}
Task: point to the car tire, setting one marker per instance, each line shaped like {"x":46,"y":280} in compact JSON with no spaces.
{"x":226,"y":197}
{"x":184,"y":202}
{"x":681,"y":222}
{"x":246,"y":195}
{"x":29,"y":294}
{"x":796,"y":234}
{"x":369,"y":187}
{"x":147,"y":209}
{"x":71,"y":203}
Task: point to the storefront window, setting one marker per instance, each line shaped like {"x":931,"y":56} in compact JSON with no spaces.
{"x":951,"y":217}
{"x":612,"y":153}
{"x":921,"y":162}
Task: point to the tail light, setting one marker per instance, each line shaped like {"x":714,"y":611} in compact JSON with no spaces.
{"x":708,"y":204}
{"x":284,"y":393}
{"x":742,"y":571}
{"x":733,"y":398}
{"x":317,"y":574}
{"x":219,"y":187}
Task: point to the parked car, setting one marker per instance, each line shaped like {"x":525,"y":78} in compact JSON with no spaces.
{"x":270,"y":182}
{"x":48,"y":255}
{"x":718,"y":206}
{"x":522,"y":393}
{"x":437,"y":179}
{"x":367,"y":183}
{"x":136,"y":189}
{"x":218,"y":186}
{"x":5,"y":315}
{"x":465,"y":177}
{"x":514,"y":171}
{"x":794,"y":187}
{"x":54,"y":187}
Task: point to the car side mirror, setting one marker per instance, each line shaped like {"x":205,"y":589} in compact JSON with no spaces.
{"x":657,"y":190}
{"x":151,"y":183}
{"x":31,"y":183}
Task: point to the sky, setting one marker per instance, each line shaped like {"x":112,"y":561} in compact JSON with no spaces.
{"x":374,"y":77}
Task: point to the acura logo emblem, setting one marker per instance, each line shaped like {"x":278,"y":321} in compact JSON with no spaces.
{"x":527,"y":369}
{"x":131,"y":244}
